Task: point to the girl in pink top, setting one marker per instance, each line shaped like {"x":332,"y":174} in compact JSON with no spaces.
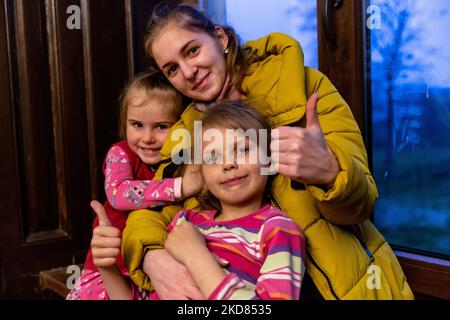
{"x":238,"y":246}
{"x":149,"y":108}
{"x":263,"y":247}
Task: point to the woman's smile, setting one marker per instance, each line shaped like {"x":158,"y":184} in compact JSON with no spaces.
{"x":201,"y":83}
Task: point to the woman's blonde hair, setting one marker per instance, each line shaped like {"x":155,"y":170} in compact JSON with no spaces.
{"x":233,"y":115}
{"x":155,"y":85}
{"x":189,"y":17}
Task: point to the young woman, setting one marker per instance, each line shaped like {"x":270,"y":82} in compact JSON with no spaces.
{"x":324,"y":183}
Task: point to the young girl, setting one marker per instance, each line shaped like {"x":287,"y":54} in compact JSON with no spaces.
{"x":238,"y":246}
{"x":149,"y":108}
{"x":264,"y":247}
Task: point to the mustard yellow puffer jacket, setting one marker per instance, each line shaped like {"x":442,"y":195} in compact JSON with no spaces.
{"x":347,"y":257}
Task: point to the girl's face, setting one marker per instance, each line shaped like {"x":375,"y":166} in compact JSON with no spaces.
{"x":149,"y":120}
{"x":193,"y":62}
{"x":231,"y":170}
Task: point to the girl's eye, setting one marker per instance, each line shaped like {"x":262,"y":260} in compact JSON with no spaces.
{"x":242,"y":151}
{"x":162,"y":127}
{"x":212,"y":160}
{"x":136,"y":125}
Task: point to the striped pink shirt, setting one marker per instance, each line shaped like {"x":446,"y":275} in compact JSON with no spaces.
{"x":265,"y":252}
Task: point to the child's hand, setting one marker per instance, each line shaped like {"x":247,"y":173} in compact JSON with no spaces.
{"x":106,"y":240}
{"x":185,"y":242}
{"x":192,"y":181}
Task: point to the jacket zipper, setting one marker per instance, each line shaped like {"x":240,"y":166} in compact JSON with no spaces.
{"x":363,"y":244}
{"x":323,"y":273}
{"x":277,"y":204}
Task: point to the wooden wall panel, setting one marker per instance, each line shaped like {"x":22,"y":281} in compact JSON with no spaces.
{"x":142,"y":10}
{"x":70,"y":125}
{"x":34,"y":120}
{"x":10,"y":205}
{"x":59,"y":90}
{"x":106,"y":72}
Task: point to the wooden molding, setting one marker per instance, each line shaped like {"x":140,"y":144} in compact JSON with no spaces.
{"x":130,"y":38}
{"x":89,"y":94}
{"x":426,"y":276}
{"x":56,"y":78}
{"x":347,"y":52}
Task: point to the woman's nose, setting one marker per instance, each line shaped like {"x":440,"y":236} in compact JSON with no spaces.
{"x":188,"y":70}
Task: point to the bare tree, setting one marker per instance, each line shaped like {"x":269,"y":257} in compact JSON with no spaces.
{"x":399,"y":64}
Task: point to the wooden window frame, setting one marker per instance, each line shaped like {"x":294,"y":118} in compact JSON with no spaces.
{"x":428,"y":277}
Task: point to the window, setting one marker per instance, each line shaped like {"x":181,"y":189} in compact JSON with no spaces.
{"x":253,"y":19}
{"x":419,"y":117}
{"x":410,"y":83}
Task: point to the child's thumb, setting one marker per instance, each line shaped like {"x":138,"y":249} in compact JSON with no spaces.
{"x":101,"y":213}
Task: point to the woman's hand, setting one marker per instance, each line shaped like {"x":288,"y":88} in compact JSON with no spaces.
{"x":302,"y":154}
{"x":170,"y":278}
{"x":192,"y":181}
{"x":106,"y":240}
{"x":185,"y":242}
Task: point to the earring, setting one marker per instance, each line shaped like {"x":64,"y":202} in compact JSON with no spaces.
{"x":226,"y":51}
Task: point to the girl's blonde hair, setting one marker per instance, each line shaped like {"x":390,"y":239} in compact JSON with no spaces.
{"x":189,"y":17}
{"x":155,"y":85}
{"x":233,"y":115}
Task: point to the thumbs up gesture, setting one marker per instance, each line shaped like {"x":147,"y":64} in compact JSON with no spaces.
{"x":106,"y":240}
{"x":302,"y":154}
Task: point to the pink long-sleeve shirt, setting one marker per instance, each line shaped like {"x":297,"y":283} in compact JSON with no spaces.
{"x":129,"y":185}
{"x":127,"y":192}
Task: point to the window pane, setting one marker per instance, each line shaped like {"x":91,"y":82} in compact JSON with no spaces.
{"x":410,"y":70}
{"x":253,"y":19}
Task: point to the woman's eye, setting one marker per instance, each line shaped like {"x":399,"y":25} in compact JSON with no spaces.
{"x":193,"y":51}
{"x":136,"y":125}
{"x":171,"y":70}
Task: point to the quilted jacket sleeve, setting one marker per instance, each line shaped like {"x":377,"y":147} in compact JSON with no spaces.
{"x":145,"y":230}
{"x":351,"y":199}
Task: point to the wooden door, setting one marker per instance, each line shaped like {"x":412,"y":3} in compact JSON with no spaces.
{"x":59,"y":87}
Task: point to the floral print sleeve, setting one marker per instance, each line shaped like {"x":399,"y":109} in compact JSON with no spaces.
{"x":126,"y":194}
